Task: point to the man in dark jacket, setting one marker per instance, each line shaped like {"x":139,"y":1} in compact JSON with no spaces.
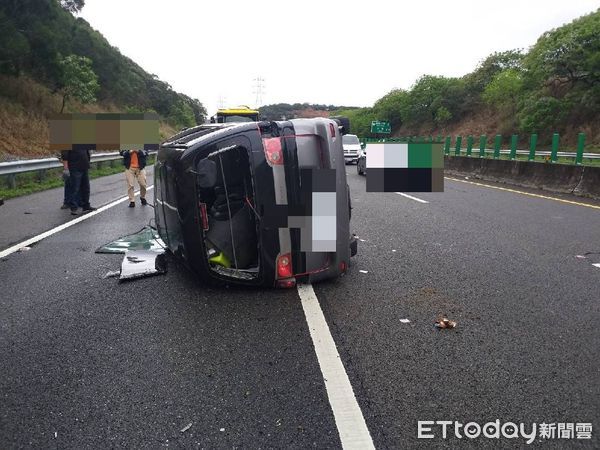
{"x":76,"y":164}
{"x":135,"y":169}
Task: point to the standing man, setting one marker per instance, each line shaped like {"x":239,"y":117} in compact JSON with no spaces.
{"x":135,"y":169}
{"x":76,"y":164}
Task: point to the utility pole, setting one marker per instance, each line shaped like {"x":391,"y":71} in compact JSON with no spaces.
{"x":259,"y":90}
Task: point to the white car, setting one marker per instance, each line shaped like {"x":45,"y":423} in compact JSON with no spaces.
{"x":351,"y":146}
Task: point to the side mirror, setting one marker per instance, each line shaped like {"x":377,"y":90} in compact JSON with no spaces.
{"x":207,"y":173}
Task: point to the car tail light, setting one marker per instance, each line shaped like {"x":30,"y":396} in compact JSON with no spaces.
{"x":273,"y":151}
{"x":284,"y":266}
{"x":204,"y":216}
{"x":332,"y":130}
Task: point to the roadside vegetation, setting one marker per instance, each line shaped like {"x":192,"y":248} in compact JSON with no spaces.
{"x":554,"y":86}
{"x":53,"y":61}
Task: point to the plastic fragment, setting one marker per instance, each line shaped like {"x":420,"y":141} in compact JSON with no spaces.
{"x":111,"y":274}
{"x":580,"y":256}
{"x":404,"y":320}
{"x":187,"y":427}
{"x":24,"y":249}
{"x":363,"y":271}
{"x":222,"y":429}
{"x":445,"y":323}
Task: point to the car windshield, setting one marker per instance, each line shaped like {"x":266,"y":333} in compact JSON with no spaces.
{"x":350,"y":139}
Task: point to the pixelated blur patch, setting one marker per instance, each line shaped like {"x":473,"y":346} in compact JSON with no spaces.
{"x":405,"y":167}
{"x":104,"y":131}
{"x":314,"y":215}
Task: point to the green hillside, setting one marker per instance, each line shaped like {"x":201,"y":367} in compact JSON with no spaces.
{"x":554,"y":86}
{"x":43,"y":49}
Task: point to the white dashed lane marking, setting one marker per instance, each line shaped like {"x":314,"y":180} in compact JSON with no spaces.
{"x":55,"y":230}
{"x":412,"y":198}
{"x":349,"y":420}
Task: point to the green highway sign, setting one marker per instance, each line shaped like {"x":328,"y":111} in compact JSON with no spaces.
{"x":380,"y":127}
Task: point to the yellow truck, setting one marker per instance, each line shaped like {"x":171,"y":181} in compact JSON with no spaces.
{"x":238,"y":114}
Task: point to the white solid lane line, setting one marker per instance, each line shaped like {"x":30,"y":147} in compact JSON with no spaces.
{"x":349,"y":420}
{"x":45,"y":234}
{"x":412,"y":198}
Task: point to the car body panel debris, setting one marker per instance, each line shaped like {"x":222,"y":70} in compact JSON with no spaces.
{"x":262,"y":204}
{"x":142,"y":263}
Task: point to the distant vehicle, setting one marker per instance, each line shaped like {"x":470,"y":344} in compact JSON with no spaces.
{"x":263,"y":204}
{"x":351,"y":148}
{"x":236,"y":115}
{"x":361,"y":164}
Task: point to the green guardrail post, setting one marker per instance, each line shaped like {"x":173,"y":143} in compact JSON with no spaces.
{"x":532,"y":145}
{"x":469,"y":145}
{"x":554,"y":153}
{"x":514,"y":139}
{"x":482,"y":145}
{"x":497,"y":144}
{"x":447,"y":145}
{"x":580,"y":145}
{"x":458,"y":144}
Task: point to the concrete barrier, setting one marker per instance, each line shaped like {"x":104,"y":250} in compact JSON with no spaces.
{"x":579,"y":180}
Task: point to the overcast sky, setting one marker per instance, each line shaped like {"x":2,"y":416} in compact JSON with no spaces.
{"x":331,"y":52}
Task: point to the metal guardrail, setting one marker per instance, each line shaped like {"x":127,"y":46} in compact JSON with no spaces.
{"x":542,"y":153}
{"x":32,"y":165}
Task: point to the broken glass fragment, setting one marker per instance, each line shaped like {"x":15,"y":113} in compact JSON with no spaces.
{"x":145,"y":239}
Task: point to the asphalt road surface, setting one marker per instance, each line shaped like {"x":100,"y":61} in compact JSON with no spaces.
{"x":88,"y":362}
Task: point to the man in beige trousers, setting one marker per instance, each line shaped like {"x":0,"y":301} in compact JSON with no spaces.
{"x":135,"y":169}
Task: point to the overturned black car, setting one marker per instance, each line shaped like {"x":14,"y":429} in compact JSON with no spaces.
{"x":261,"y":203}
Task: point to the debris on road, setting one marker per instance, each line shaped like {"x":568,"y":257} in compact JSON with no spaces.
{"x":222,"y":429}
{"x":393,"y":250}
{"x":445,"y":323}
{"x":145,"y":239}
{"x":187,"y":427}
{"x":404,"y":320}
{"x":24,"y":249}
{"x":363,"y":271}
{"x":111,"y":274}
{"x":580,"y":256}
{"x":142,"y":263}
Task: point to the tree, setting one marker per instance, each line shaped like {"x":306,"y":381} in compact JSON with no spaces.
{"x":73,"y":6}
{"x":78,"y":79}
{"x":14,"y":47}
{"x":442,"y":116}
{"x":504,"y":90}
{"x":569,"y":54}
{"x":492,"y":66}
{"x":391,"y":107}
{"x":541,"y":114}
